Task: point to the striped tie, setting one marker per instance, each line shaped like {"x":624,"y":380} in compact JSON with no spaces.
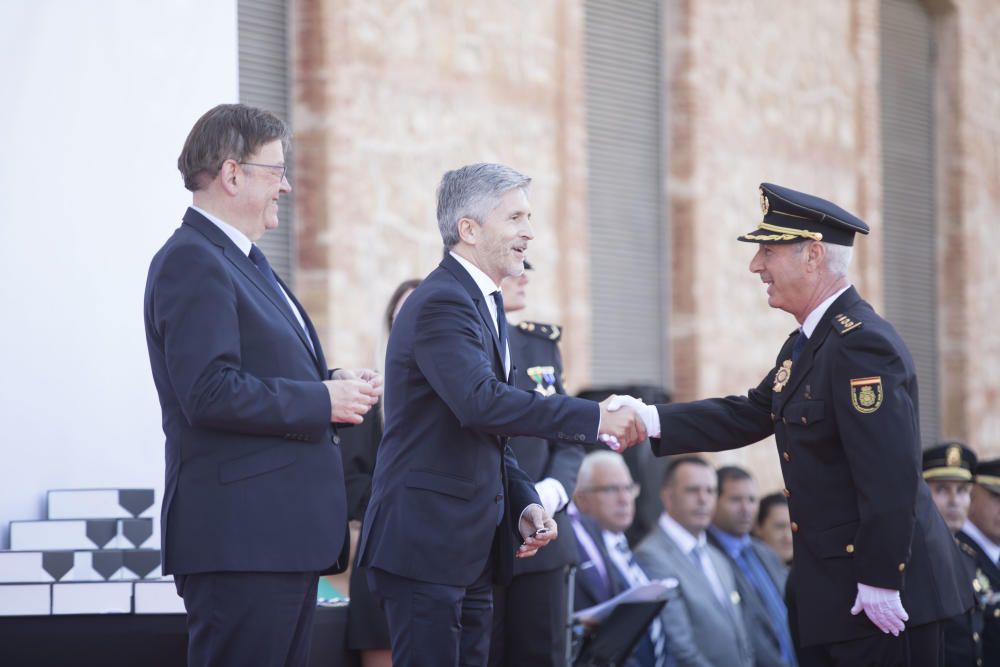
{"x":636,"y":577}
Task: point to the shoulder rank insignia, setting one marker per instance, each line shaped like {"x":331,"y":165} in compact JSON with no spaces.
{"x":866,"y":394}
{"x":782,"y":375}
{"x":843,"y":324}
{"x":546,"y":331}
{"x":544,"y":378}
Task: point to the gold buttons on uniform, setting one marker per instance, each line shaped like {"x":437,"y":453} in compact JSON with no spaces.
{"x":804,"y":420}
{"x":788,"y":457}
{"x":996,"y":613}
{"x":849,"y":548}
{"x":975,"y":636}
{"x":795,"y":527}
{"x":902,"y":567}
{"x":788,"y":494}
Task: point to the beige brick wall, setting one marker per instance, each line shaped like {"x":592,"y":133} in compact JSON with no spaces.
{"x":970,"y":225}
{"x":391,"y":94}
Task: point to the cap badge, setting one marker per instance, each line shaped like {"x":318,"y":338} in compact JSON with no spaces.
{"x":953,"y":457}
{"x":765,"y":205}
{"x":782,"y":375}
{"x":866,"y":394}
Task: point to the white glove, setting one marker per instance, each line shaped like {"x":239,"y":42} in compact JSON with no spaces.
{"x":650,"y":417}
{"x":883,"y":608}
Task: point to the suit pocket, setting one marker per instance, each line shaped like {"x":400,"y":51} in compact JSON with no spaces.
{"x":803,"y":413}
{"x":449,"y":485}
{"x":258,"y":463}
{"x":836,"y":542}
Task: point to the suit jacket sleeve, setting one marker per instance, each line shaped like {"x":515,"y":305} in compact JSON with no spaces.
{"x":715,"y":424}
{"x":520,"y":487}
{"x":882,"y":450}
{"x":450,"y":354}
{"x":194,"y":312}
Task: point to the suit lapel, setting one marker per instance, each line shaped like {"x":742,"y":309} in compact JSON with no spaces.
{"x":470,"y":286}
{"x":694,"y":573}
{"x":246,"y":267}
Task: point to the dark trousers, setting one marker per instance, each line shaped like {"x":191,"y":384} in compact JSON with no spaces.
{"x":918,"y":646}
{"x":529,"y":621}
{"x":435,"y":625}
{"x":249,"y":618}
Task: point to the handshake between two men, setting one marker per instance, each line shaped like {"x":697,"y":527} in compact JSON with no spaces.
{"x":626,"y":421}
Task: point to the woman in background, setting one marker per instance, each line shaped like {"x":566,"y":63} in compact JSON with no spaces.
{"x":367,"y":631}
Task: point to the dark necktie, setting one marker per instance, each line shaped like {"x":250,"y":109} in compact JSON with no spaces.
{"x":773,"y":604}
{"x":260,"y":261}
{"x":799,"y":345}
{"x":501,"y":328}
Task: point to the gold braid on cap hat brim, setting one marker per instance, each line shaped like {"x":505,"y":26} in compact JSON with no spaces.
{"x":953,"y":472}
{"x":783,"y":233}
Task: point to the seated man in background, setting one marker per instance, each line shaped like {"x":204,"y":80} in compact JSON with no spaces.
{"x":760,"y":575}
{"x":603,"y":508}
{"x":981,"y":532}
{"x":774,"y":526}
{"x":703,"y":618}
{"x":948,"y":469}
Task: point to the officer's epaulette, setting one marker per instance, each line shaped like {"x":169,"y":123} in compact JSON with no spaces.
{"x":546,"y":331}
{"x":843,"y":324}
{"x":965,"y":548}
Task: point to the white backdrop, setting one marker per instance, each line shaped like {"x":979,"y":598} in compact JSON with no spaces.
{"x":97,"y":99}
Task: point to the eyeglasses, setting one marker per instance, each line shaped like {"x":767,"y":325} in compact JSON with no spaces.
{"x":631,"y":490}
{"x":282,"y":167}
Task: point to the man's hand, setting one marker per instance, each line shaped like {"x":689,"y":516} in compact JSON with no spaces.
{"x":350,"y":399}
{"x":620,"y":428}
{"x":368,"y":375}
{"x":883,"y":607}
{"x":537,"y":529}
{"x":650,"y":417}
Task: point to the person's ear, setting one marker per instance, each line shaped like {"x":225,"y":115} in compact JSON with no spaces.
{"x":816,"y":255}
{"x":468,"y":230}
{"x":230,"y":176}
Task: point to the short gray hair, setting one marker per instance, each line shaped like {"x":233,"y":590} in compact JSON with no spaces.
{"x":594,"y":459}
{"x":472,"y":192}
{"x":838,"y":257}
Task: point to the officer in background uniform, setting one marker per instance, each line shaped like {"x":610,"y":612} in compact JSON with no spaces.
{"x":530,"y":614}
{"x":948,"y":470}
{"x":876,"y":569}
{"x":981,"y":534}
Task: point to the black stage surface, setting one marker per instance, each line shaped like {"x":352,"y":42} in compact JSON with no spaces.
{"x":130,"y":640}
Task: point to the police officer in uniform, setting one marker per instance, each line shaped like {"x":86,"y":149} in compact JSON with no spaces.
{"x":981,"y":536}
{"x":876,"y":569}
{"x":530,"y":614}
{"x":948,"y":470}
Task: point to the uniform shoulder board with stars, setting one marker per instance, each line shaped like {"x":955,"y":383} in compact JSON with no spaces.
{"x":969,"y":551}
{"x":546,"y":331}
{"x":844,"y":324}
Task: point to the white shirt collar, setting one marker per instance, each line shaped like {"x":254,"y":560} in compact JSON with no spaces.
{"x":235,"y":235}
{"x":483,"y":281}
{"x":679,"y":534}
{"x":991,"y":548}
{"x":813,"y":318}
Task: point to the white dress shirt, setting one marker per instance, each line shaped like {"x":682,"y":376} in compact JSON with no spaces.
{"x":991,"y":548}
{"x":487,"y":287}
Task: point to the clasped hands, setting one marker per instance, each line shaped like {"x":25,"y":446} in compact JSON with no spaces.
{"x":352,"y":394}
{"x":626,"y":421}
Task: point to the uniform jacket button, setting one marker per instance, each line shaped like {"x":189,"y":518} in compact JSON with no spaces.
{"x":902,"y":567}
{"x":805,"y":421}
{"x":788,"y":494}
{"x":849,"y":548}
{"x":795,"y":527}
{"x":787,"y":456}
